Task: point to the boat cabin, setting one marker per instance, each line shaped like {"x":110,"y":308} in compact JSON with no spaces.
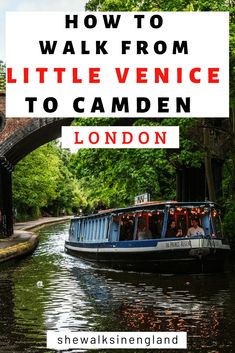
{"x":153,"y":220}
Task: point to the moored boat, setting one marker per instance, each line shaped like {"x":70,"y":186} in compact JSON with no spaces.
{"x":163,"y":237}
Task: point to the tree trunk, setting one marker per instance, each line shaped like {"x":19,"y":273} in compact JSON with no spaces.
{"x":208,"y":165}
{"x":232,"y":127}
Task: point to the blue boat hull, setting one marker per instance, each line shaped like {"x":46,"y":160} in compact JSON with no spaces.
{"x":146,"y":256}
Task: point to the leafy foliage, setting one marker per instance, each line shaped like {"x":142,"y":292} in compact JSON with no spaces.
{"x":114,"y":177}
{"x":192,"y":150}
{"x":158,"y":5}
{"x":42,"y":181}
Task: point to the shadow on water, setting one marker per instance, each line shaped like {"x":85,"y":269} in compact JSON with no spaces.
{"x":54,"y":291}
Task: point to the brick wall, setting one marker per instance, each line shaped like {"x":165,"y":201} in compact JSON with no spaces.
{"x":11,"y":124}
{"x":2,"y":102}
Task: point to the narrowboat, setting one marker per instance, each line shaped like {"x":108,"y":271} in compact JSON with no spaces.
{"x":163,"y":237}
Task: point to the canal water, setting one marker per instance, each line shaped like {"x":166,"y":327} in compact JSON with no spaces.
{"x":52,"y":290}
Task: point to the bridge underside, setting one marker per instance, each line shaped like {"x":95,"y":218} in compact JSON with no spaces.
{"x":30,"y":137}
{"x":15,"y":144}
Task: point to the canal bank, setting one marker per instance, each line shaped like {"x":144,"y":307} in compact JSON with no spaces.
{"x":24,"y":240}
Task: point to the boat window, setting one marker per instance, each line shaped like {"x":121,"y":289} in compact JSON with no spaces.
{"x":143,"y":231}
{"x":85,"y":230}
{"x":195,"y":214}
{"x":90,"y":230}
{"x":78,"y":230}
{"x":174,"y":228}
{"x":217,"y":226}
{"x":114,"y":228}
{"x":127,"y":227}
{"x":206,"y":224}
{"x":86,"y":233}
{"x":72,"y":231}
{"x":177,"y":224}
{"x":97,"y":224}
{"x":81,"y":231}
{"x":149,"y":225}
{"x":93,"y":229}
{"x":106,"y":228}
{"x":155,"y":223}
{"x":106,"y":224}
{"x":97,"y":229}
{"x":180,"y":220}
{"x":102,"y":228}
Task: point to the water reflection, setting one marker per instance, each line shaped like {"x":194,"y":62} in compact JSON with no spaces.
{"x":77,"y":296}
{"x":6,"y":311}
{"x":147,"y":303}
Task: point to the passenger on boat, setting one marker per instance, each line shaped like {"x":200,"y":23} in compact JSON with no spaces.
{"x":144,"y":232}
{"x":172,"y":230}
{"x":195,"y":229}
{"x":127,"y":230}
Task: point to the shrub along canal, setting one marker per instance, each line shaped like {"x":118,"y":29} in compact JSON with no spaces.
{"x":52,"y":290}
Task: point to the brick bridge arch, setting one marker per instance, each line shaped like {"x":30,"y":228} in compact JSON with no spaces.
{"x":19,"y":137}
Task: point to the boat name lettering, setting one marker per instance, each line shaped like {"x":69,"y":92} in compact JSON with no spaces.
{"x":178,"y":244}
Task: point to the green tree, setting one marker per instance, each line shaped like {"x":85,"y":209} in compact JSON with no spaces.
{"x":35,"y":179}
{"x":202,"y":150}
{"x":69,"y":196}
{"x":115,"y":176}
{"x":207,"y":128}
{"x":42,"y":181}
